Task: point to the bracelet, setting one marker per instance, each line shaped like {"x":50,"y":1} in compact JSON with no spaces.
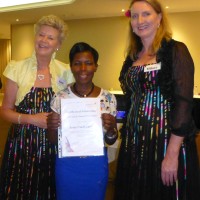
{"x":19,"y":118}
{"x":111,"y":137}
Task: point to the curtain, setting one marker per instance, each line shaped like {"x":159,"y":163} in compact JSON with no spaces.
{"x":5,"y":57}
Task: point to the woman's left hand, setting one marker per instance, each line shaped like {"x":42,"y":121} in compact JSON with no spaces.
{"x":109,"y":122}
{"x":53,"y":122}
{"x":169,"y":169}
{"x":110,"y":126}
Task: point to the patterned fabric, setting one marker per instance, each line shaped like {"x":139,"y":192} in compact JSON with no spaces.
{"x":27,"y":171}
{"x":108,"y":100}
{"x":160,"y":103}
{"x":144,"y":144}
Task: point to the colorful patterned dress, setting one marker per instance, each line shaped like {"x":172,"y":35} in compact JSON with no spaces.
{"x":147,"y":132}
{"x":27,"y":171}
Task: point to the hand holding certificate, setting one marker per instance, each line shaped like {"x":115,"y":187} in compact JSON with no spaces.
{"x":81,"y":131}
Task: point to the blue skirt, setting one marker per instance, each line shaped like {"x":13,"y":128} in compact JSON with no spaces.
{"x":81,"y":178}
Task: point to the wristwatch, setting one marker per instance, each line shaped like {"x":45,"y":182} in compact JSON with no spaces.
{"x":110,"y":139}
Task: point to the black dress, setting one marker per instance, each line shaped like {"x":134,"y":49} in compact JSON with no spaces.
{"x":155,"y":112}
{"x":27,"y":171}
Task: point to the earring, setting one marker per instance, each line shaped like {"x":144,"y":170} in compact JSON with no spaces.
{"x":158,"y":25}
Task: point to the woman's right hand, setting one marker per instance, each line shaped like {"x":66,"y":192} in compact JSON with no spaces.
{"x":53,"y":122}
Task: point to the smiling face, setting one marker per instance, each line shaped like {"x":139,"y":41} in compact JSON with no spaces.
{"x":144,"y":20}
{"x":83,"y":67}
{"x":46,"y":41}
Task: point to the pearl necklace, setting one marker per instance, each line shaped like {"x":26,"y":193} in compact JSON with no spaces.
{"x":83,"y":95}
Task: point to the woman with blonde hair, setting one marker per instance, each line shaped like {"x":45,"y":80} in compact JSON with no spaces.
{"x":27,"y":170}
{"x":158,"y":156}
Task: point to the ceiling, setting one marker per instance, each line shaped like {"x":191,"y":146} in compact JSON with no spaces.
{"x":81,"y":9}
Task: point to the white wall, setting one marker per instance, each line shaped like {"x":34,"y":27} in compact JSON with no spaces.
{"x":186,"y":28}
{"x":22,"y":41}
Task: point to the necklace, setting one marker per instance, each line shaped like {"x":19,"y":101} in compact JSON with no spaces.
{"x":83,"y":95}
{"x":40,"y":76}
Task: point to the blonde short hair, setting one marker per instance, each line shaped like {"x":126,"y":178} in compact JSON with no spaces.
{"x":55,"y":22}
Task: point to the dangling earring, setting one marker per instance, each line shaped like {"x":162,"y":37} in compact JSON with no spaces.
{"x":158,"y":25}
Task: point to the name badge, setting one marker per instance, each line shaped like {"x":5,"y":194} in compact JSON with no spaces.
{"x":152,"y":67}
{"x":61,"y":81}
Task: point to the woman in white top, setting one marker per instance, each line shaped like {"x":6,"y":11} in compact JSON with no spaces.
{"x":79,"y":178}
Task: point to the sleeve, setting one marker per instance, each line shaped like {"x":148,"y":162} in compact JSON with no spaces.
{"x":69,"y":76}
{"x":11,"y":71}
{"x":108,"y":103}
{"x":122,"y":78}
{"x":183,"y":75}
{"x":113,"y":105}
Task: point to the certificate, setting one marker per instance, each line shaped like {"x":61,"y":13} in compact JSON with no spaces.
{"x":81,"y":132}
